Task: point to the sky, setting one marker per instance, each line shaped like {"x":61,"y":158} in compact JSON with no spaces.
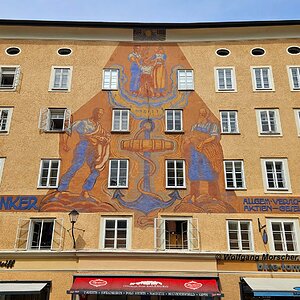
{"x":165,"y":11}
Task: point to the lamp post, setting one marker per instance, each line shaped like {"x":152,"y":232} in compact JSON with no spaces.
{"x":73,"y":215}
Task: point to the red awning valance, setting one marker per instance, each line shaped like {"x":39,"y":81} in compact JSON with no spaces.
{"x":172,"y":286}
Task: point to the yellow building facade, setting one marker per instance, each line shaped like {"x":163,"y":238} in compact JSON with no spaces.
{"x":174,"y":148}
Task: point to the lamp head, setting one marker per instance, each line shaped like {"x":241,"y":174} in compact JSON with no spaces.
{"x":73,"y":215}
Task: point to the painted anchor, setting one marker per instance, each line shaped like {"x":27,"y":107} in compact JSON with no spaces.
{"x":147,"y":201}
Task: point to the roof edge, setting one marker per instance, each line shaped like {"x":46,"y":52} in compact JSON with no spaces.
{"x":94,"y":24}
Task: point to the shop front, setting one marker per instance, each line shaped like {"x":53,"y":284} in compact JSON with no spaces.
{"x":270,"y":288}
{"x":24,"y":290}
{"x":144,"y":288}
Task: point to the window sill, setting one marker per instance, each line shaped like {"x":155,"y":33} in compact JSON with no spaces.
{"x":54,"y":131}
{"x":236,"y":189}
{"x":59,"y":90}
{"x":279,"y":191}
{"x":176,"y":187}
{"x":117,"y":187}
{"x":240,"y":250}
{"x":7,"y":89}
{"x":226,"y":91}
{"x":272,"y":134}
{"x":174,"y":132}
{"x":263,"y":90}
{"x":230,"y":133}
{"x":110,"y":90}
{"x":120,"y":131}
{"x":47,"y":187}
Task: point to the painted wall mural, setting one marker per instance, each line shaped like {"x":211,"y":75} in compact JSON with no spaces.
{"x":147,"y":87}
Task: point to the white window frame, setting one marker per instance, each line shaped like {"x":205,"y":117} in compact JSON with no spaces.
{"x":47,"y":186}
{"x":175,"y":170}
{"x":251,"y":243}
{"x":52,"y":79}
{"x":283,"y":238}
{"x":270,"y":79}
{"x":233,"y":164}
{"x":232,"y":77}
{"x":128,"y":232}
{"x":2,"y":161}
{"x":24,"y":234}
{"x":16,"y":77}
{"x":184,"y":86}
{"x":45,"y":119}
{"x":173,"y":111}
{"x":278,"y":131}
{"x":9,"y":116}
{"x":192,"y":233}
{"x":110,"y":86}
{"x":297,"y":119}
{"x":291,"y":80}
{"x":118,"y":173}
{"x":114,"y":118}
{"x":286,"y":177}
{"x":228,"y":121}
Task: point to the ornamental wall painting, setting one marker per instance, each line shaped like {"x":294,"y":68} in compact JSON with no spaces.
{"x":147,"y":86}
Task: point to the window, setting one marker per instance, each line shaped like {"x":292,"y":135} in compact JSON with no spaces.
{"x":275,"y":173}
{"x":110,"y":79}
{"x":229,"y":121}
{"x":225,"y":79}
{"x":173,"y":120}
{"x":258,"y":51}
{"x":60,"y":79}
{"x":294,"y":77}
{"x":294,"y":50}
{"x":64,"y":51}
{"x":49,"y":173}
{"x":176,"y":234}
{"x":39,"y":234}
{"x":234,"y":174}
{"x":262,"y":78}
{"x":223,"y":52}
{"x":283,"y":234}
{"x":118,"y":173}
{"x":5,"y":118}
{"x":9,"y":77}
{"x":116,"y":233}
{"x":2,"y":160}
{"x":120,"y":120}
{"x":297,"y":118}
{"x":239,"y":235}
{"x":12,"y":51}
{"x":54,"y":119}
{"x":268,"y":121}
{"x":175,"y":173}
{"x":185,"y":80}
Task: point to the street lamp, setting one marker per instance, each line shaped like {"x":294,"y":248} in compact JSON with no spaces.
{"x":73,"y":215}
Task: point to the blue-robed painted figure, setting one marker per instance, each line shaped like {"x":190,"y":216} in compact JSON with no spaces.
{"x":135,"y":69}
{"x":204,"y":155}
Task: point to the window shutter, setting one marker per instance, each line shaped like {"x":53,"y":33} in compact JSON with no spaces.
{"x":57,"y":238}
{"x":43,"y":120}
{"x":193,"y":234}
{"x":160,"y":236}
{"x":67,"y":119}
{"x":22,"y":236}
{"x":17,"y":77}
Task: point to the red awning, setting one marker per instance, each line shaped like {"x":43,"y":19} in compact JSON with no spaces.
{"x":171,"y":286}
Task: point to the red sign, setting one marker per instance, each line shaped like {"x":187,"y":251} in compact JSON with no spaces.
{"x":145,"y":286}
